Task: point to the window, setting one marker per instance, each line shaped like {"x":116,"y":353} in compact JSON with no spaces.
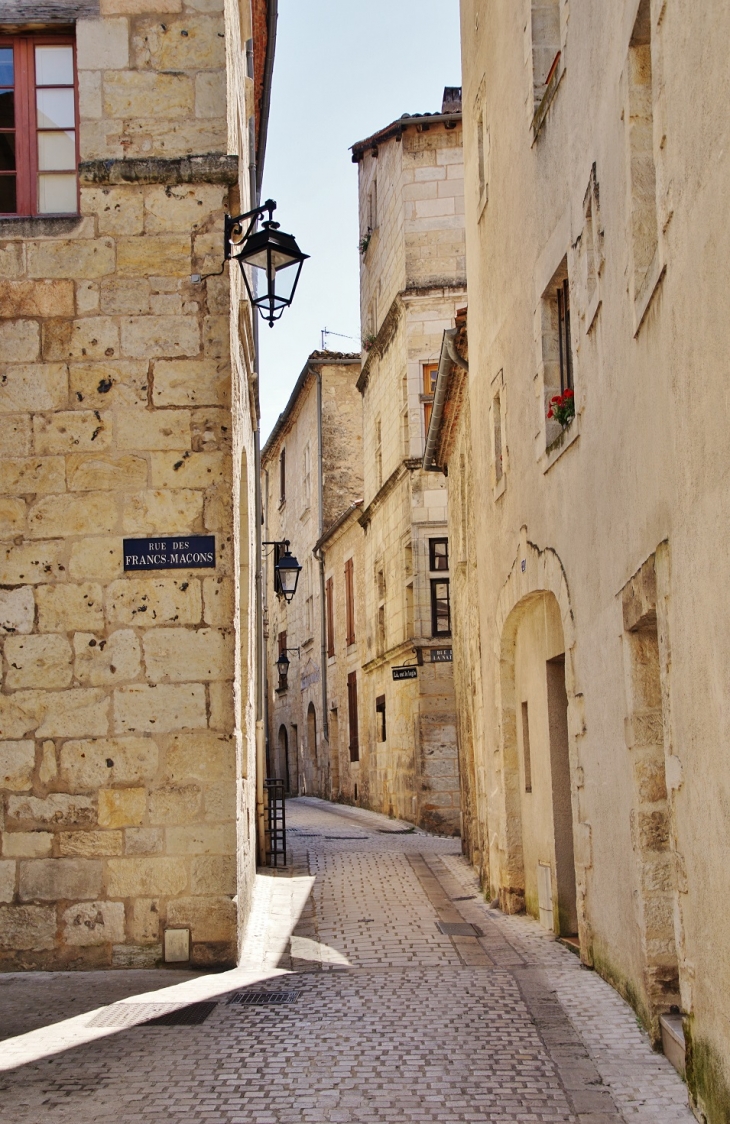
{"x":440,"y":607}
{"x":349,"y":602}
{"x":380,"y":714}
{"x":483,"y":152}
{"x":526,"y":748}
{"x":373,"y":205}
{"x":282,"y":476}
{"x":438,"y":554}
{"x":380,"y":596}
{"x":283,"y":681}
{"x":564,"y":347}
{"x":405,"y":429}
{"x":430,"y":374}
{"x":38,"y":139}
{"x":329,"y":591}
{"x":545,"y":28}
{"x":309,"y":601}
{"x":497,"y":437}
{"x":378,"y":454}
{"x":306,"y":476}
{"x":644,"y":224}
{"x":556,"y":343}
{"x":352,"y":715}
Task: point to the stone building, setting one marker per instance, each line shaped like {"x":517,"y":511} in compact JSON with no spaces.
{"x":311,"y":473}
{"x":127,"y":410}
{"x":597,"y":247}
{"x":411,"y":283}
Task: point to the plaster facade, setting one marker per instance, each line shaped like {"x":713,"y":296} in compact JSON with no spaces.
{"x":128,"y":408}
{"x":596,"y":169}
{"x":311,"y":474}
{"x":412,"y":282}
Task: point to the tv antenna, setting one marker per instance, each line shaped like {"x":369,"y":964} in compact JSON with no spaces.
{"x":327,"y":332}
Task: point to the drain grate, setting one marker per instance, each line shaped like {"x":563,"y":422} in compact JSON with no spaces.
{"x":193,"y":1015}
{"x":262,"y":998}
{"x":459,"y":929}
{"x":396,"y":831}
{"x":465,"y":898}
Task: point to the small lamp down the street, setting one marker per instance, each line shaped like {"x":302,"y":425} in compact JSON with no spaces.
{"x":286,"y":569}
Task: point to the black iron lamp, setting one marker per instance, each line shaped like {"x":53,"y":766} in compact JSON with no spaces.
{"x":286,"y":569}
{"x":282,"y":665}
{"x":270,"y":250}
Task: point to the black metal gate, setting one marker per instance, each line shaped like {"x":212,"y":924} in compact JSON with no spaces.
{"x":275,"y":823}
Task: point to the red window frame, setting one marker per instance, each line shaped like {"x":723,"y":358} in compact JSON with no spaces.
{"x":26,"y":120}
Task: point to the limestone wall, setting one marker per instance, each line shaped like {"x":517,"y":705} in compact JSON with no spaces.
{"x":301,"y":756}
{"x":123,"y":735}
{"x":622,"y":179}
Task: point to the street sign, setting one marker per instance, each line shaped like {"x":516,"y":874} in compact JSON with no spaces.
{"x":441,"y":655}
{"x":178,"y":552}
{"x":405,"y":673}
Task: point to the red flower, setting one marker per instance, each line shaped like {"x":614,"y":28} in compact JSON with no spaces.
{"x":569,"y":394}
{"x":550,"y":413}
{"x":556,"y":399}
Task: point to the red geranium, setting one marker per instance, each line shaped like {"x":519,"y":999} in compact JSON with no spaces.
{"x":562,"y":408}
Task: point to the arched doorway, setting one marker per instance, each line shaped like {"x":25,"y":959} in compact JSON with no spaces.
{"x":537,"y":785}
{"x":283,"y":762}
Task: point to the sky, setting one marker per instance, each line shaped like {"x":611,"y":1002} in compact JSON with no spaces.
{"x":343,"y":69}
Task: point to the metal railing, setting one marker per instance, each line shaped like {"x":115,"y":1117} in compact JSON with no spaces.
{"x":275,"y":822}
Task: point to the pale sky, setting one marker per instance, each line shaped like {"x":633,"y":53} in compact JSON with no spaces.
{"x":343,"y":70}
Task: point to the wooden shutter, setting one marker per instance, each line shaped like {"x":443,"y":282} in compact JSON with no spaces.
{"x":352,"y":714}
{"x":350,"y":601}
{"x":329,"y":595}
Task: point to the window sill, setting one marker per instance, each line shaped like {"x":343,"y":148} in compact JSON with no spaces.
{"x":643,"y":299}
{"x":48,"y":226}
{"x":562,"y":442}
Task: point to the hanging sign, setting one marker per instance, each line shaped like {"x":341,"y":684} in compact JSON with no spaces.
{"x":441,"y":655}
{"x":178,"y":552}
{"x":405,"y":672}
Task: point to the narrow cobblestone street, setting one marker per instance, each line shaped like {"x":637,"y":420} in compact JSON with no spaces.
{"x":388,"y":1018}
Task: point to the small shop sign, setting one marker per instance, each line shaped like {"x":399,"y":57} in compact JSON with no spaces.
{"x":441,"y":655}
{"x":405,"y":673}
{"x":177,"y":552}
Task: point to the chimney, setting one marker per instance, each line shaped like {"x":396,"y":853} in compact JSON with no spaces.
{"x":452,"y":100}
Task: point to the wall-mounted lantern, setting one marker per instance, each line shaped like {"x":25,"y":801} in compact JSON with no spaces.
{"x":286,"y":569}
{"x":269,"y":250}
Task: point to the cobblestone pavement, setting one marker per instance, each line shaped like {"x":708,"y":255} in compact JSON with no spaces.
{"x":391,"y":1019}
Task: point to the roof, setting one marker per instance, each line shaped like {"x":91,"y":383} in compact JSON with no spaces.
{"x":449,"y":116}
{"x":339,"y":522}
{"x":315,"y":360}
{"x":420,"y":121}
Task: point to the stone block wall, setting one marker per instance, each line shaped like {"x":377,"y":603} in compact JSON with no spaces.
{"x":122,"y":727}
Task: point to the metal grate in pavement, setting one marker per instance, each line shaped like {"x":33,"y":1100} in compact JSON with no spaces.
{"x":262,"y":998}
{"x":459,"y":929}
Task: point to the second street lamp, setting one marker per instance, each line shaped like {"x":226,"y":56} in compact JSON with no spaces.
{"x":286,"y":569}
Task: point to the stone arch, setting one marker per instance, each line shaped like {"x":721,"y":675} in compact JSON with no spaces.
{"x":282,"y":765}
{"x":312,"y":734}
{"x":536,"y":574}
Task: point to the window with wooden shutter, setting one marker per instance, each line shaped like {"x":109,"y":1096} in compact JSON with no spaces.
{"x":330,"y":602}
{"x":38,"y":134}
{"x":352,"y":714}
{"x":350,"y":601}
